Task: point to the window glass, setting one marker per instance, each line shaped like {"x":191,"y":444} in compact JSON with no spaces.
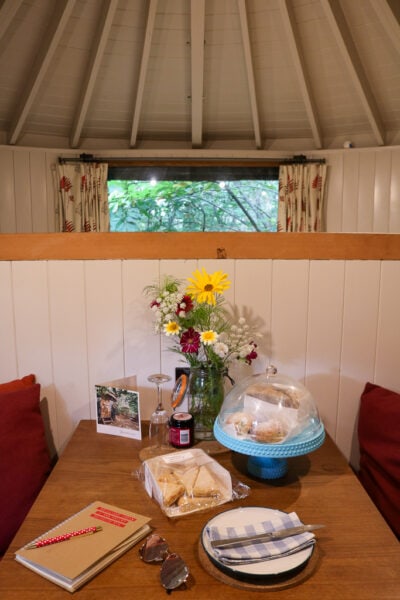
{"x":164,"y":198}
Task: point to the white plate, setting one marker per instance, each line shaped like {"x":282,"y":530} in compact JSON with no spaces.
{"x":264,"y":569}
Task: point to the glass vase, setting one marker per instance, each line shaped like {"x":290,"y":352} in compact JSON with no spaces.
{"x":205,"y":396}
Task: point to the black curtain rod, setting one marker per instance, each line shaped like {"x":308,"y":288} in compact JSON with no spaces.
{"x":90,"y":158}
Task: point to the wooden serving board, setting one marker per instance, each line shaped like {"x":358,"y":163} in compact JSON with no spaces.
{"x":274,"y":584}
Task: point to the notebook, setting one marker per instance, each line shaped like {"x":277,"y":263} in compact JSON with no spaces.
{"x":71,"y":563}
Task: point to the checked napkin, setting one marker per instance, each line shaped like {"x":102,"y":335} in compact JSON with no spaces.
{"x":257,"y":551}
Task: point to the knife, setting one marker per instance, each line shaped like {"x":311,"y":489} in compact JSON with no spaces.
{"x":263,"y":537}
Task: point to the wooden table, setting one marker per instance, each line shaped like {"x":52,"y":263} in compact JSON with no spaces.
{"x":358,"y":556}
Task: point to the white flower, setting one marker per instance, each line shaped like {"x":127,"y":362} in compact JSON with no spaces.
{"x":221,"y":349}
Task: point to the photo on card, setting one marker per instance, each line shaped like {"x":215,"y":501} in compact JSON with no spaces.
{"x":118,"y":408}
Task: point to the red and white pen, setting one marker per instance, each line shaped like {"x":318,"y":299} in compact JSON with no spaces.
{"x":63,"y":537}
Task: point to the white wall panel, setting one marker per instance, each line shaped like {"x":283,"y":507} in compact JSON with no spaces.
{"x":289,"y":316}
{"x":51,"y":159}
{"x":104,"y":322}
{"x":382,"y":191}
{"x":22,"y":188}
{"x":8,"y":223}
{"x":38,"y":183}
{"x":350,"y":191}
{"x":387,"y":370}
{"x":32,"y":318}
{"x":360,"y":321}
{"x":32,"y":332}
{"x":8,"y":354}
{"x":324,"y":337}
{"x":253,"y":295}
{"x":394,"y":226}
{"x":142,"y":345}
{"x":333,"y":209}
{"x":69,"y":345}
{"x":365,"y":202}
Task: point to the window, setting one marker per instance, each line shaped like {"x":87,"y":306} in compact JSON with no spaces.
{"x":180,"y":198}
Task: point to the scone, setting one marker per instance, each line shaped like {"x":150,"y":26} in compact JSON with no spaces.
{"x":241,"y":421}
{"x":188,"y":479}
{"x":271,"y":394}
{"x":166,"y":476}
{"x":171,"y":492}
{"x":205,"y":484}
{"x":269,"y":432}
{"x":188,"y":503}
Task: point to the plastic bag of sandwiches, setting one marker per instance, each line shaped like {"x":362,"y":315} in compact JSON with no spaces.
{"x":187,"y":481}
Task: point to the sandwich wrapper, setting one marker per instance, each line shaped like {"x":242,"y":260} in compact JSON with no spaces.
{"x":257,"y":551}
{"x":188,"y":481}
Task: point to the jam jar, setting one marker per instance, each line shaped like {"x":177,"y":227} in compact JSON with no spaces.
{"x":181,"y":430}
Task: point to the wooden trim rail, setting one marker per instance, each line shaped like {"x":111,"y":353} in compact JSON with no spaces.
{"x":103,"y":246}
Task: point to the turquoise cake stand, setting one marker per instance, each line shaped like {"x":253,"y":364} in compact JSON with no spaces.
{"x":270,"y":461}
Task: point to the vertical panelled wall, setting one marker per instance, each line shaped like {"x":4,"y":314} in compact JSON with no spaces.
{"x":333,"y":325}
{"x":363,"y":189}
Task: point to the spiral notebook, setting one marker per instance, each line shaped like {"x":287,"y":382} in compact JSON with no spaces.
{"x":72,"y":562}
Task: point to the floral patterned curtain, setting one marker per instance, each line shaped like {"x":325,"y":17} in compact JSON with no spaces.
{"x":82,"y":197}
{"x":301,"y":194}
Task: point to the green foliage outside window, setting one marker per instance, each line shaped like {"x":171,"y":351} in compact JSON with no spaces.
{"x":161,"y":206}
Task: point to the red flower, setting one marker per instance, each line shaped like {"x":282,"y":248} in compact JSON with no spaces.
{"x":187,"y":300}
{"x":154,"y":303}
{"x":252,"y":355}
{"x":190,"y":341}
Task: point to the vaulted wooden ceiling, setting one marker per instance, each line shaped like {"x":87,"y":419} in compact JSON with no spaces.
{"x":228,"y":74}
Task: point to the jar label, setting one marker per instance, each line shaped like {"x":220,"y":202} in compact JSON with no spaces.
{"x":179,"y":437}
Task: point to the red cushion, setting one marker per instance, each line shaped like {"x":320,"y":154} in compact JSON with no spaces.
{"x":17,"y":384}
{"x":379,"y":439}
{"x":24,"y":458}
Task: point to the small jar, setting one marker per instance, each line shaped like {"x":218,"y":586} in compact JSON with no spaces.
{"x":181,"y":430}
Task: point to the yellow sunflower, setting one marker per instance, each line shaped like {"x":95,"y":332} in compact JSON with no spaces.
{"x":204,"y":286}
{"x":172,"y":328}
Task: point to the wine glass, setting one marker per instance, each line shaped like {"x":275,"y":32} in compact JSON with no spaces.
{"x":158,"y":427}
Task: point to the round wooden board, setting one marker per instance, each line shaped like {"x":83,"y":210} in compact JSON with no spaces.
{"x":211,"y":447}
{"x":300,"y":577}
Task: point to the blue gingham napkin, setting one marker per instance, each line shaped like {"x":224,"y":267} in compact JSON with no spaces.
{"x":258,"y":552}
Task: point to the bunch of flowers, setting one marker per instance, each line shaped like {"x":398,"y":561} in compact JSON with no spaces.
{"x":201,"y":329}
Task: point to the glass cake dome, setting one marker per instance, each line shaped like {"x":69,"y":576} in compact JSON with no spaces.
{"x":269,"y":417}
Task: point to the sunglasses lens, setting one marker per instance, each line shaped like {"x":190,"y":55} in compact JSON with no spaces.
{"x":155,"y":549}
{"x":174,"y":572}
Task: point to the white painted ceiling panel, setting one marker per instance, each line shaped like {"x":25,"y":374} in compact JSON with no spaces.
{"x":276,"y":73}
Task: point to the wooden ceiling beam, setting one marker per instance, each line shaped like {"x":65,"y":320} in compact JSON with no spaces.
{"x":8,"y":10}
{"x":248,"y":59}
{"x":106,"y":18}
{"x":389,"y":16}
{"x":300,"y":68}
{"x":341,"y":33}
{"x":144,"y":63}
{"x":197,"y":26}
{"x":61,"y":15}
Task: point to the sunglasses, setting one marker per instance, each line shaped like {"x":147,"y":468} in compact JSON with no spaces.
{"x":174,"y":571}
